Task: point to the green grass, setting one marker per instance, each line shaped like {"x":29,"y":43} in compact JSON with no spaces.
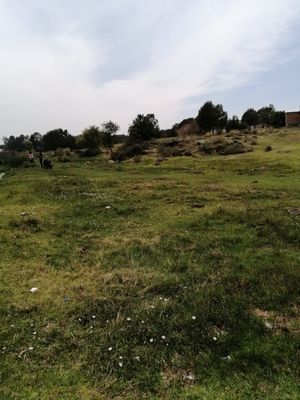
{"x":192,"y":271}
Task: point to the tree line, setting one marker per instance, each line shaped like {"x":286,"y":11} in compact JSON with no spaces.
{"x":210,"y":117}
{"x":213,"y":117}
{"x":91,"y":138}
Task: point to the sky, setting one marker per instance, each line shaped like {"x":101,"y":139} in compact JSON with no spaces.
{"x":73,"y":63}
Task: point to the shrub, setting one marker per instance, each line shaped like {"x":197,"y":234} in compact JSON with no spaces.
{"x":223,"y":147}
{"x":137,"y":159}
{"x":13,"y":160}
{"x":89,"y":153}
{"x":206,"y":148}
{"x":63,"y":155}
{"x":175,"y":151}
{"x":231,"y":148}
{"x":127,"y":151}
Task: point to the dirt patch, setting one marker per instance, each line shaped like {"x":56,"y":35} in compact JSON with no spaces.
{"x":294,"y":211}
{"x":279,"y":322}
{"x":169,"y":376}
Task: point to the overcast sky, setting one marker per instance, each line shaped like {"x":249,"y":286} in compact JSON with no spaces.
{"x":74,"y":63}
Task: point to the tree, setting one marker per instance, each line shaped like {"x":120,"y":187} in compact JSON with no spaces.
{"x":58,"y":138}
{"x":108,"y":131}
{"x":265,"y":115}
{"x":233,"y":124}
{"x":250,"y":118}
{"x":211,"y":117}
{"x":16,"y":143}
{"x":144,"y":127}
{"x":90,"y":138}
{"x":278,"y":119}
{"x":37,"y":141}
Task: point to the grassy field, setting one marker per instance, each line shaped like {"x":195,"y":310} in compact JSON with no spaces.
{"x":171,"y":281}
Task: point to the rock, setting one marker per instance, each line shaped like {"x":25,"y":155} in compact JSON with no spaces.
{"x":198,"y":205}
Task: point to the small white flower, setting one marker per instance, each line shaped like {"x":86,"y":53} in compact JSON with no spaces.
{"x":34,"y":333}
{"x":160,"y":298}
{"x":120,"y":358}
{"x":143,"y":322}
{"x":79,"y":319}
{"x":215,"y":338}
{"x":137,"y":358}
{"x":108,"y":207}
{"x":94,"y":316}
{"x":34,"y":290}
{"x":227,"y":358}
{"x":110,"y":349}
{"x":268,"y":325}
{"x":152,"y":307}
{"x":4,"y":348}
{"x":190,"y":377}
{"x":128,"y":319}
{"x":193,"y":317}
{"x":30,"y":348}
{"x":151,"y":340}
{"x":120,"y":364}
{"x":165,"y":300}
{"x":163,"y":337}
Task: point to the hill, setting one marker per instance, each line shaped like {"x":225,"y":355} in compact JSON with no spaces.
{"x":144,"y":281}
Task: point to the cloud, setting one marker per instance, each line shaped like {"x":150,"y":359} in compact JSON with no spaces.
{"x":81,"y":63}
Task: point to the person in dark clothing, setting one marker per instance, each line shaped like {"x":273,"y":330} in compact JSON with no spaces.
{"x":41,"y":159}
{"x":47,"y":163}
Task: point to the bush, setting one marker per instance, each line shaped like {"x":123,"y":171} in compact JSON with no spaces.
{"x":88,"y":153}
{"x":206,"y":148}
{"x":175,"y":151}
{"x":137,"y":159}
{"x":223,"y":147}
{"x":13,"y":160}
{"x":63,"y":155}
{"x":127,"y":151}
{"x":231,"y":148}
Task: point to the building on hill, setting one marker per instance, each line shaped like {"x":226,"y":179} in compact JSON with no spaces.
{"x":292,"y":119}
